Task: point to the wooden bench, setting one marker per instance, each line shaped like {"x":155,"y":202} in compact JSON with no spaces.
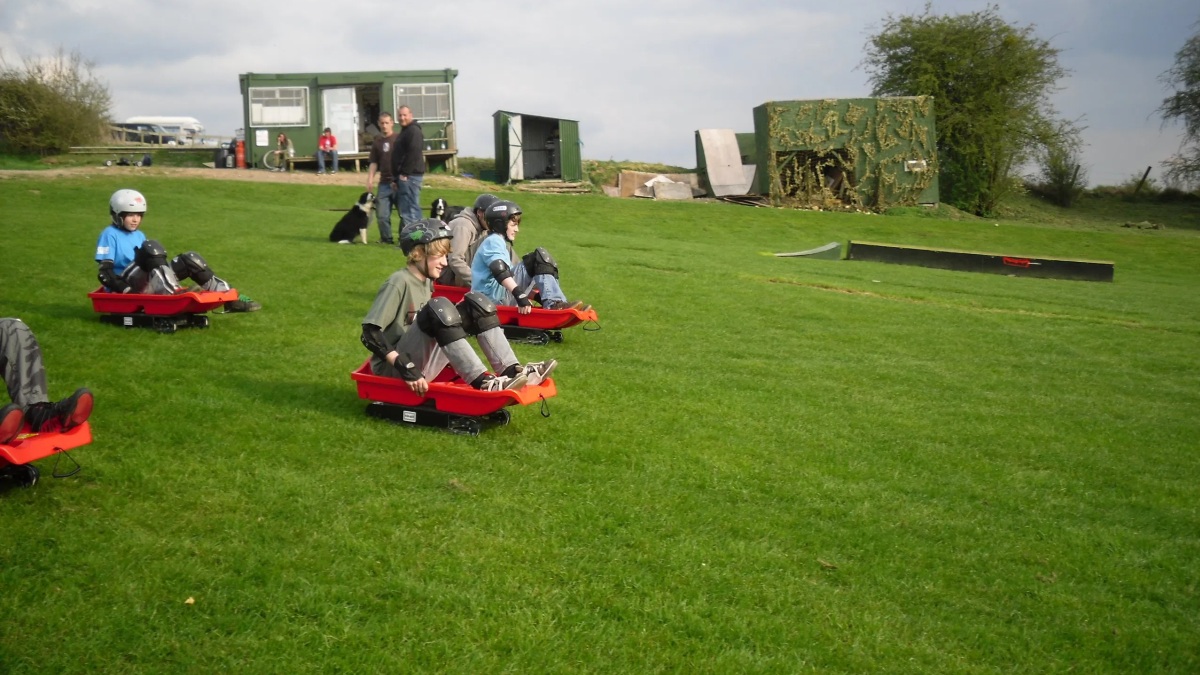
{"x":359,"y":158}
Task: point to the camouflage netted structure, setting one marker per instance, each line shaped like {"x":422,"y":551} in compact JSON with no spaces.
{"x":869,"y":153}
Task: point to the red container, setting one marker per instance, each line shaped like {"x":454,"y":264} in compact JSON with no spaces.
{"x":240,"y":153}
{"x":455,"y":397}
{"x":541,"y":319}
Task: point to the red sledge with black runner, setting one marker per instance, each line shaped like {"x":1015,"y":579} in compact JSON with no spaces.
{"x":538,"y":327}
{"x":16,"y":455}
{"x":449,"y":404}
{"x":164,"y":313}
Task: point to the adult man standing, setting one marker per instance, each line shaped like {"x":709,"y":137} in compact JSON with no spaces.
{"x":466,"y":230}
{"x":381,"y":160}
{"x":408,"y":165}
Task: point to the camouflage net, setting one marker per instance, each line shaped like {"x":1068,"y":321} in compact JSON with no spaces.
{"x":849,"y":153}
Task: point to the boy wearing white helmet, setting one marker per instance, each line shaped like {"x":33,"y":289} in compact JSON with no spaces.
{"x":413,"y":336}
{"x":130,"y":263}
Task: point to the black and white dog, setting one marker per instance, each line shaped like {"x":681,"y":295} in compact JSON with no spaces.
{"x":355,"y":221}
{"x":443,"y":211}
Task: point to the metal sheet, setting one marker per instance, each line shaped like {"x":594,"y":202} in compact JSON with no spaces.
{"x":723,"y":162}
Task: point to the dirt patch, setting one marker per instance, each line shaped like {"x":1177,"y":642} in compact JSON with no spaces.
{"x":352,"y":178}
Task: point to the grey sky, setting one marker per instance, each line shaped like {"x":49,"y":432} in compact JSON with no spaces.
{"x":640,"y":77}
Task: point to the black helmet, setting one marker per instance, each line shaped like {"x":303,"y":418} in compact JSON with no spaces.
{"x":498,"y":213}
{"x":425,"y":231}
{"x":483,"y":201}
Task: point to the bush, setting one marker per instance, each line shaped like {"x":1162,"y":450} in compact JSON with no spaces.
{"x":49,"y":105}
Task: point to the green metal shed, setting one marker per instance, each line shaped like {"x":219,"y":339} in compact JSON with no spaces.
{"x":867,"y":152}
{"x":302,"y":104}
{"x":530,"y":147}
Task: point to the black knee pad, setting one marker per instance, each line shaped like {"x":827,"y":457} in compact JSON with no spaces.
{"x":440,"y":319}
{"x":150,"y":255}
{"x":478,"y":313}
{"x":191,"y":266}
{"x":539,"y":261}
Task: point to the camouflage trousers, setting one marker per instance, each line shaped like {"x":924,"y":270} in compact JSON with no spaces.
{"x":21,"y":363}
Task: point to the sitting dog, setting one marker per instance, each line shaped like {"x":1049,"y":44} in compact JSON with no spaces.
{"x":355,"y":221}
{"x":443,"y":211}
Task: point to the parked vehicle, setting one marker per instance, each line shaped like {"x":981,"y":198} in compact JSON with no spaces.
{"x":184,"y":129}
{"x":143,"y":133}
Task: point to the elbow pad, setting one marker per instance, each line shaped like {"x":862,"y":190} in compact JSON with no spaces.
{"x":500,"y":270}
{"x":110,"y":279}
{"x":373,"y":339}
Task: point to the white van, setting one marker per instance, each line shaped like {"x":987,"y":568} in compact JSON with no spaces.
{"x":186,"y":129}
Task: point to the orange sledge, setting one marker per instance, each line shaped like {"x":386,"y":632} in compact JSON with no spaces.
{"x":449,"y":404}
{"x":164,"y":313}
{"x":16,"y":455}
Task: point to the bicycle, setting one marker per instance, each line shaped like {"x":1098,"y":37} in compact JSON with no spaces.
{"x":275,"y":160}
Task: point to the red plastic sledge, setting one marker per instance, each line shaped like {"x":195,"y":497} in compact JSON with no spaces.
{"x":164,"y":313}
{"x":189,"y":302}
{"x":449,"y":404}
{"x":547,"y":321}
{"x":16,"y":455}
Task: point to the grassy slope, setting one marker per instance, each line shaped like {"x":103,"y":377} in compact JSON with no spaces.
{"x":759,"y":464}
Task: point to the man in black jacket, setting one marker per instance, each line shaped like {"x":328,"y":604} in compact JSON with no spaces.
{"x":408,"y":165}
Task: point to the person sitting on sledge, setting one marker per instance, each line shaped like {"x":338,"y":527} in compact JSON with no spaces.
{"x":507,"y":280}
{"x":412,"y":335}
{"x":25,"y":378}
{"x":467,"y":230}
{"x":131,"y":263}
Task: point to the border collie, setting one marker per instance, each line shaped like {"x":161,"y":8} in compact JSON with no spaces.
{"x":355,"y":221}
{"x":443,"y":211}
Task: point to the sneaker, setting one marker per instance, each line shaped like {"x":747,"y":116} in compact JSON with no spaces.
{"x":11,"y":419}
{"x":502,"y":382}
{"x":242,"y":304}
{"x":334,"y":171}
{"x":62,"y":415}
{"x":566,"y":304}
{"x":320,"y":173}
{"x":537,"y":372}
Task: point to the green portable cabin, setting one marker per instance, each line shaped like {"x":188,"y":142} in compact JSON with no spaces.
{"x":530,"y":147}
{"x":865,"y":152}
{"x":302,"y":104}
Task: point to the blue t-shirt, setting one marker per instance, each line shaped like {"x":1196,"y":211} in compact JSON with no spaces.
{"x":493,"y":247}
{"x":117,"y":244}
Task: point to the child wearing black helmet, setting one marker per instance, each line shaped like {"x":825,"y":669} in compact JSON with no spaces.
{"x":413,"y":336}
{"x":507,"y":280}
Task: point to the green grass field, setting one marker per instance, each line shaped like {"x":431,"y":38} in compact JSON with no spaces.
{"x":759,"y":464}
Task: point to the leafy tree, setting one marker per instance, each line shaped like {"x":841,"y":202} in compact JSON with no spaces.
{"x":991,"y":84}
{"x":1063,"y":177}
{"x":48,"y":105}
{"x":1184,"y":104}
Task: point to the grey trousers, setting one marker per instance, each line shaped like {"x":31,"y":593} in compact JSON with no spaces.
{"x":21,"y":363}
{"x":431,"y":358}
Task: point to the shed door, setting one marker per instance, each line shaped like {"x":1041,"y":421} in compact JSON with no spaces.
{"x":570,"y":154}
{"x":516,"y":153}
{"x":341,"y":116}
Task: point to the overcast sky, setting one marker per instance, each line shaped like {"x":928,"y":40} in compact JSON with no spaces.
{"x":640,"y":77}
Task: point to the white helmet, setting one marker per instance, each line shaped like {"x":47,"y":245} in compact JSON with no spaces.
{"x":125,"y":201}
